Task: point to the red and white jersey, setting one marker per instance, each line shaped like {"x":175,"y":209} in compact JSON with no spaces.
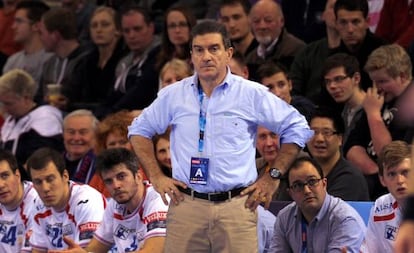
{"x":383,"y":224}
{"x":15,"y":225}
{"x":129,"y":231}
{"x":78,"y":220}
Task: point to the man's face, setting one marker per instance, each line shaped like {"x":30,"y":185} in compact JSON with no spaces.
{"x":138,"y":35}
{"x":236,"y":21}
{"x":352,"y":27}
{"x":387,"y":86}
{"x":310,"y":199}
{"x":11,"y":189}
{"x":121,"y":183}
{"x":49,"y":39}
{"x":162,"y":152}
{"x":266,"y":22}
{"x":178,"y":28}
{"x":78,"y":136}
{"x":22,"y":27}
{"x":14,"y":104}
{"x":323,"y":146}
{"x":396,"y":179}
{"x":279,"y":85}
{"x":267,"y":144}
{"x":209,"y":57}
{"x":340,"y":86}
{"x":52,"y":187}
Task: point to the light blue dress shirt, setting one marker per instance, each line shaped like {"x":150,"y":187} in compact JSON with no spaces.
{"x":233,"y":111}
{"x":336,"y":225}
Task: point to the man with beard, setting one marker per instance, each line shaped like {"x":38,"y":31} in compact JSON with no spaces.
{"x":234,"y":14}
{"x":275,"y":43}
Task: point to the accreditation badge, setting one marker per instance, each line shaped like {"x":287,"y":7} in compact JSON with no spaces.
{"x":199,"y":170}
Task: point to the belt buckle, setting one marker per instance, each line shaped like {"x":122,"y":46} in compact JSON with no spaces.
{"x":209,"y":194}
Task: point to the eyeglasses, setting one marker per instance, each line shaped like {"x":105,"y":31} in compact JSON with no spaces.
{"x":326,"y":132}
{"x":299,"y":186}
{"x":336,"y":79}
{"x":177,"y":25}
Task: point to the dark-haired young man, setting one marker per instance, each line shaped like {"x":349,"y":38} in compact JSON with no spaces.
{"x":16,"y":204}
{"x":64,"y":207}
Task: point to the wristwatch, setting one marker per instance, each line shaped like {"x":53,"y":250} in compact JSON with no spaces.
{"x":275,"y":173}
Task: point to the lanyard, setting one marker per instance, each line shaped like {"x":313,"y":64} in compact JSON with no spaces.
{"x":201,"y":121}
{"x":304,"y":237}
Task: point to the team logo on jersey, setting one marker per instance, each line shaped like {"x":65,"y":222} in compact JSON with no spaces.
{"x":390,"y":232}
{"x":83,"y":202}
{"x":383,"y":207}
{"x":123,"y":232}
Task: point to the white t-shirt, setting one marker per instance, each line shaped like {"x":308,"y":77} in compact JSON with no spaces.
{"x":383,"y":224}
{"x":128,"y":231}
{"x":15,"y":225}
{"x":78,"y":221}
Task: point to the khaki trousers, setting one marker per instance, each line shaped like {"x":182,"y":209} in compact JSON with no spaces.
{"x":202,"y":226}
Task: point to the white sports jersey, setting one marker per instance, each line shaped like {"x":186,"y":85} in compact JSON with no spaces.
{"x":78,"y":221}
{"x":15,"y":226}
{"x":383,"y":224}
{"x":128,"y":231}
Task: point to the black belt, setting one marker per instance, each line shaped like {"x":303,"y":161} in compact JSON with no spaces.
{"x":215,"y":196}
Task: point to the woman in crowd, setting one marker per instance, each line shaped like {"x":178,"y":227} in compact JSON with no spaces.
{"x":98,"y":74}
{"x":176,"y":36}
{"x":173,"y":71}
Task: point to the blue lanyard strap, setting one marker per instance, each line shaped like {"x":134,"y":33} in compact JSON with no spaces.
{"x":304,"y":237}
{"x":202,"y":120}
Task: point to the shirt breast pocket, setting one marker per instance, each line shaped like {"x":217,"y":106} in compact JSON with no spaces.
{"x":231,"y":132}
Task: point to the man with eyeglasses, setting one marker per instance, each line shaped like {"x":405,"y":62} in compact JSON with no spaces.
{"x":316,"y":221}
{"x":325,"y":148}
{"x":342,"y":78}
{"x":26,"y":33}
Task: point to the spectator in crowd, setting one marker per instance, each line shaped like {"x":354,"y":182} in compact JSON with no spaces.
{"x":111,"y":132}
{"x":275,"y":77}
{"x":64,"y":207}
{"x":304,"y":20}
{"x":79,"y":128}
{"x":58,"y":34}
{"x":173,"y":71}
{"x":342,"y":78}
{"x":26,"y":33}
{"x":325,"y":148}
{"x":135,"y":206}
{"x":390,"y":70}
{"x":98,"y":72}
{"x":396,"y":22}
{"x":355,"y":39}
{"x":234,"y":14}
{"x":136,"y":84}
{"x":217,"y":173}
{"x":16,"y":204}
{"x":176,"y":35}
{"x":83,"y":10}
{"x":306,"y":81}
{"x":7,"y":44}
{"x":316,"y":221}
{"x":394,"y":163}
{"x":162,"y":152}
{"x":275,"y":43}
{"x":405,"y":239}
{"x":28,"y":125}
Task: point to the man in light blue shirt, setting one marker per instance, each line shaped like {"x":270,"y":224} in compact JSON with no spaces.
{"x":315,"y":221}
{"x":214,"y":117}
